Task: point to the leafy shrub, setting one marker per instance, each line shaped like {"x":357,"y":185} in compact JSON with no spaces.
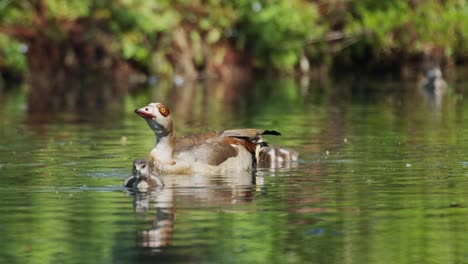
{"x":275,"y":33}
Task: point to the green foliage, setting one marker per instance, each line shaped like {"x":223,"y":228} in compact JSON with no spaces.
{"x":68,"y":9}
{"x":449,"y":26}
{"x":15,"y":12}
{"x":395,"y":26}
{"x":11,"y":55}
{"x":136,"y":25}
{"x":277,"y":31}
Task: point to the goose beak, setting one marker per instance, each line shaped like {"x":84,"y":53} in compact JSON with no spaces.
{"x":136,"y":173}
{"x":143,"y":113}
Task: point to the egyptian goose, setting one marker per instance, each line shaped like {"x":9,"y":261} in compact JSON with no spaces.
{"x":434,"y":82}
{"x":212,"y":152}
{"x":142,"y":179}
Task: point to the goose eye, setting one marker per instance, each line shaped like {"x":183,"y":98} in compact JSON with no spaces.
{"x":144,"y":166}
{"x":163,"y":110}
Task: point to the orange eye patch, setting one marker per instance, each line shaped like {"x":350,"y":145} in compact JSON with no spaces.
{"x":163,"y":109}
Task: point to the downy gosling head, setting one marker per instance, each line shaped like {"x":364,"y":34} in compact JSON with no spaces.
{"x":142,"y":179}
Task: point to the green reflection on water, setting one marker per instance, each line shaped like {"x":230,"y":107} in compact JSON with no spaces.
{"x":382,"y":179}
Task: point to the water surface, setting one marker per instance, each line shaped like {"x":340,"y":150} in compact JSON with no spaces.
{"x":382,"y":178}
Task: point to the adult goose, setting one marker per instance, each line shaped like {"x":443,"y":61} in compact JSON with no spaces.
{"x":213,"y":152}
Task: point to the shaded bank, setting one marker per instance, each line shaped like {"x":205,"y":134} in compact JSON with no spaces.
{"x":175,"y":37}
{"x":53,"y":42}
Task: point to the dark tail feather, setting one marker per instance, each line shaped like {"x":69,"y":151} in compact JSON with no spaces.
{"x":271,"y":132}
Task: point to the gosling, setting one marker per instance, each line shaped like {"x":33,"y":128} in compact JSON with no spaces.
{"x":141,"y":179}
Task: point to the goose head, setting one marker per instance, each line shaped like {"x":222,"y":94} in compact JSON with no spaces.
{"x":140,"y":169}
{"x":158,"y":117}
{"x":142,"y":177}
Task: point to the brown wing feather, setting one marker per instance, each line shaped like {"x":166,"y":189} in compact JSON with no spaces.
{"x":222,"y":150}
{"x":249,"y":146}
{"x":250,"y":134}
{"x":195,"y":139}
{"x":215,"y":147}
{"x":217,"y":151}
{"x":213,"y":152}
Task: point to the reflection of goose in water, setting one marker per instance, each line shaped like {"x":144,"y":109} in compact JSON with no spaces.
{"x":213,"y":152}
{"x":159,"y":235}
{"x":158,"y":206}
{"x":141,"y":179}
{"x":434,"y":86}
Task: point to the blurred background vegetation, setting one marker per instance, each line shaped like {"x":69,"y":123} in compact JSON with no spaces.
{"x":225,"y":39}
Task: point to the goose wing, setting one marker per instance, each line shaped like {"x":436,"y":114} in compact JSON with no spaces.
{"x":215,"y":151}
{"x":251,"y":134}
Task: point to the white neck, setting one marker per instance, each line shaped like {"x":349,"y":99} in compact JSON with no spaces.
{"x":164,"y":148}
